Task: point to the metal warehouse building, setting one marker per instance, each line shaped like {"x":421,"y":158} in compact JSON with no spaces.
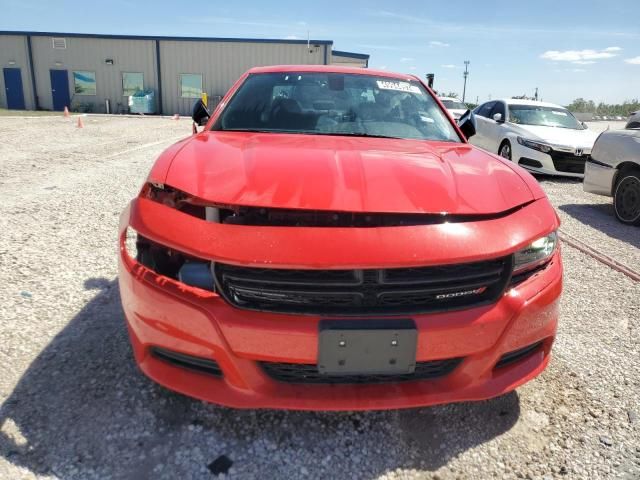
{"x":48,"y":71}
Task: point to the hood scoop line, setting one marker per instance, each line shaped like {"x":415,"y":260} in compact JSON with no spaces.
{"x":276,"y":217}
{"x":287,"y":217}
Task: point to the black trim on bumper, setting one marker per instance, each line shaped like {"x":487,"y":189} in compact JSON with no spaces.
{"x":517,"y":355}
{"x":596,"y":162}
{"x":529,"y":162}
{"x":198,"y":364}
{"x":308,"y":373}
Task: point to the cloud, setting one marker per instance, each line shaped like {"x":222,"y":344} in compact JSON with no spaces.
{"x":443,"y":28}
{"x":449,"y":65}
{"x":436,"y":43}
{"x":633,"y":61}
{"x":406,"y":59}
{"x":412,"y":68}
{"x":580,"y":57}
{"x":292,"y":37}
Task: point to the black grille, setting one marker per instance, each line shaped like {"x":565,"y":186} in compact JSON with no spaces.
{"x":304,"y":373}
{"x":568,"y":162}
{"x":356,"y":292}
{"x":199,"y":364}
{"x":517,"y":355}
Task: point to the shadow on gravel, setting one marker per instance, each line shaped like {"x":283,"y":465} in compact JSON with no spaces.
{"x":83,"y":410}
{"x":601,"y":217}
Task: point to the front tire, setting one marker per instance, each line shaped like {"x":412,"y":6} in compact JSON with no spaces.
{"x":505,"y":150}
{"x":626,"y":199}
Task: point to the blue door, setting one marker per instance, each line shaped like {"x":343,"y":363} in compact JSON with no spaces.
{"x":13,"y":89}
{"x":60,"y":89}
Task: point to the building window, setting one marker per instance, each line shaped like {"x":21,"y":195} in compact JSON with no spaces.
{"x":84,"y":83}
{"x":132,"y":83}
{"x":190,"y":85}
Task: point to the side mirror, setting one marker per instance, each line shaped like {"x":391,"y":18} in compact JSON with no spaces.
{"x":498,"y":117}
{"x":200,"y":114}
{"x":584,"y":125}
{"x":467,"y":123}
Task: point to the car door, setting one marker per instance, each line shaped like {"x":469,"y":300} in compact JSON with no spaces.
{"x":481,"y":138}
{"x":495,"y":131}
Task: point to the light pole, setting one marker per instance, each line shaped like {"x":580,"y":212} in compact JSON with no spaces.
{"x":465,"y":75}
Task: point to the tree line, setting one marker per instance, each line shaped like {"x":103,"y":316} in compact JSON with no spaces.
{"x":624,"y":109}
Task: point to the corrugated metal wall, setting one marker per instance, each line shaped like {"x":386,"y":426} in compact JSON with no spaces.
{"x":90,"y":54}
{"x":219,"y":61}
{"x":221,"y":64}
{"x":348,"y":61}
{"x":14,"y":54}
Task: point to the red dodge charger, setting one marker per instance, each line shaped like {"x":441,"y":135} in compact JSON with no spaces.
{"x":330,"y":241}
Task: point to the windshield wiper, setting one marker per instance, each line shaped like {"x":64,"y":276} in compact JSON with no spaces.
{"x":252,"y":130}
{"x":310,"y":132}
{"x":368,"y":135}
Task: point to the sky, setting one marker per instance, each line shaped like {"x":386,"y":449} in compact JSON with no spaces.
{"x":565,"y":48}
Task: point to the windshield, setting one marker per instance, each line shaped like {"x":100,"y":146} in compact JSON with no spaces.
{"x":454,"y":105}
{"x":336,"y":104}
{"x":543,"y":116}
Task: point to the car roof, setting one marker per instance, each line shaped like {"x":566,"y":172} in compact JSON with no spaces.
{"x":518,"y":101}
{"x":333,"y":69}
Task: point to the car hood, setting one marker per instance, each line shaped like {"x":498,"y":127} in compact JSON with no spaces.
{"x":352,"y":174}
{"x":565,"y":137}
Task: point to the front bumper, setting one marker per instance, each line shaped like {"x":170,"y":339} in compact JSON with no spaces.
{"x":164,"y":313}
{"x":520,"y":155}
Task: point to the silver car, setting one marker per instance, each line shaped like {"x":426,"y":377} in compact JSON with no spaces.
{"x":614,"y":171}
{"x":634,"y":120}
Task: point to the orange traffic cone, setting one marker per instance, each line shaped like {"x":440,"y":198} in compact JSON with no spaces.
{"x":80,"y":123}
{"x":66,"y":112}
{"x":176,"y":117}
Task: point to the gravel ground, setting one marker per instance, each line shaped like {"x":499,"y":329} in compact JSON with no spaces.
{"x":74,"y":405}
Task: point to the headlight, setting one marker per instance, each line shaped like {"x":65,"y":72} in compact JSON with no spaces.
{"x":131,"y":243}
{"x":541,"y":147}
{"x":535,"y":253}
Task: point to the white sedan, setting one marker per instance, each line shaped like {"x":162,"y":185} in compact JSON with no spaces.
{"x":541,"y":137}
{"x":454,"y":106}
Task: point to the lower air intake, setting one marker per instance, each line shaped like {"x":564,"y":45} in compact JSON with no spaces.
{"x":517,"y":355}
{"x":308,"y":373}
{"x":198,"y":364}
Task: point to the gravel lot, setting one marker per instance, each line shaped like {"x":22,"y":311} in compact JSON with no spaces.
{"x":75,"y":406}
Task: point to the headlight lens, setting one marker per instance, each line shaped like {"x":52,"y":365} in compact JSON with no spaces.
{"x":535,"y":253}
{"x":541,"y":147}
{"x":131,"y":243}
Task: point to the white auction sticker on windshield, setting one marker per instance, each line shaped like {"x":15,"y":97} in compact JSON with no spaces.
{"x":558,"y":112}
{"x":399,"y":86}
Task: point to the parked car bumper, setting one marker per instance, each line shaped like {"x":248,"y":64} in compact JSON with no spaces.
{"x":559,"y":164}
{"x":599,"y":178}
